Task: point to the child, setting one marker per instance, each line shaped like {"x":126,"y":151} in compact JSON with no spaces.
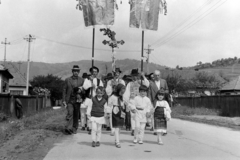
{"x":96,"y":114}
{"x":83,"y":110}
{"x":161,"y":115}
{"x":142,"y":105}
{"x":118,"y":111}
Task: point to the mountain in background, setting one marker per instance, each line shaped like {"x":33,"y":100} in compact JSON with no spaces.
{"x":228,"y":68}
{"x":63,"y":70}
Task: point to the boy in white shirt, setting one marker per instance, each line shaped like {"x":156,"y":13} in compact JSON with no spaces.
{"x":142,"y":106}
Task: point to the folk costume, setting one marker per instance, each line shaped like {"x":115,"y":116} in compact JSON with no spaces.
{"x":161,"y":114}
{"x":132,"y":90}
{"x":143,"y":106}
{"x":96,"y":113}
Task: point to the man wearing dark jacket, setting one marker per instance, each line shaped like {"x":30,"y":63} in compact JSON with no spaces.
{"x":70,"y":100}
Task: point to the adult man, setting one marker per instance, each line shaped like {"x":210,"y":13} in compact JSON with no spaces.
{"x":93,"y":81}
{"x":132,"y":90}
{"x":111,"y":84}
{"x":156,"y":85}
{"x":70,"y":100}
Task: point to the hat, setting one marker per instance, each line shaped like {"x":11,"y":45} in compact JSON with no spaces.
{"x":90,"y":70}
{"x":127,"y":78}
{"x":85,"y":75}
{"x":108,"y":76}
{"x":76,"y":68}
{"x":134,"y":72}
{"x":161,"y":91}
{"x":118,"y":70}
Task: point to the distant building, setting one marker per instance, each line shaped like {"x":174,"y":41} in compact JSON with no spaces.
{"x":231,"y":88}
{"x":5,"y":76}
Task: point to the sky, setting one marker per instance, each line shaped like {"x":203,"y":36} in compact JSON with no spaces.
{"x":192,"y":31}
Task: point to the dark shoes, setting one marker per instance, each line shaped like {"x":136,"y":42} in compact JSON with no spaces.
{"x":90,"y":131}
{"x":155,"y":133}
{"x":93,"y":144}
{"x":97,"y":144}
{"x":164,"y":134}
{"x":68,"y":131}
{"x":108,"y":129}
{"x":83,"y":129}
{"x":132,"y":133}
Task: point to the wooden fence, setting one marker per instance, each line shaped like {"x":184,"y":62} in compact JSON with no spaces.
{"x":229,"y":105}
{"x":31,"y":104}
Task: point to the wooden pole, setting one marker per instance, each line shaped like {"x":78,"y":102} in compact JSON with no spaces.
{"x":93,"y":40}
{"x":142,"y":50}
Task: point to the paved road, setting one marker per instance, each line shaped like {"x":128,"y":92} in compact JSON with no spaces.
{"x":185,"y":140}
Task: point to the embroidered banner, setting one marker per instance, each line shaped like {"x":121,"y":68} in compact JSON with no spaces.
{"x":98,"y":12}
{"x":144,"y":13}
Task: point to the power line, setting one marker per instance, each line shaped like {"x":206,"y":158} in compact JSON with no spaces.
{"x":184,"y":21}
{"x":190,"y":25}
{"x":77,"y":46}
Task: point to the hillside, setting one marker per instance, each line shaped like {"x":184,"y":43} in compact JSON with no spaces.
{"x":222,"y":68}
{"x":64,"y":69}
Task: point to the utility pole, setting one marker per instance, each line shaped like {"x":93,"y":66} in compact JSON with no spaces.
{"x":5,"y":49}
{"x":149,"y":50}
{"x":29,"y":39}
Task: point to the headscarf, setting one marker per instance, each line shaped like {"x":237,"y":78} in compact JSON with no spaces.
{"x":118,"y":88}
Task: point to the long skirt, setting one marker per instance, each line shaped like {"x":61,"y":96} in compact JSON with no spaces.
{"x":160,"y":122}
{"x":117,"y":120}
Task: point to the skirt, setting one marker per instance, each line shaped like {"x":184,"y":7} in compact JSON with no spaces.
{"x":98,"y":120}
{"x":160,"y":122}
{"x":117,"y":120}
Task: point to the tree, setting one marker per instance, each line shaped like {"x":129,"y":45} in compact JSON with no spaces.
{"x":50,"y":82}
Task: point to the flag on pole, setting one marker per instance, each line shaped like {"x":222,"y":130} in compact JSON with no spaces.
{"x":98,"y":12}
{"x":144,"y":13}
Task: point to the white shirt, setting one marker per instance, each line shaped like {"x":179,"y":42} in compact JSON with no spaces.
{"x":143,"y":103}
{"x":87,"y":84}
{"x":109,"y":88}
{"x":158,"y":84}
{"x":87,"y":102}
{"x":163,"y":104}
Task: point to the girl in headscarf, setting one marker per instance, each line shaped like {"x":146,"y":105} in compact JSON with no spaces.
{"x":115,"y":102}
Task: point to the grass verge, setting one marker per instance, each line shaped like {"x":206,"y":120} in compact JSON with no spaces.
{"x":205,"y":115}
{"x":22,"y":138}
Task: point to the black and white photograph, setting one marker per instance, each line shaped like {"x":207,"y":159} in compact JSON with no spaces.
{"x":119,"y":80}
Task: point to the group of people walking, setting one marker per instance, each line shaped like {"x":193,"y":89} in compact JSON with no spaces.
{"x":133,"y":103}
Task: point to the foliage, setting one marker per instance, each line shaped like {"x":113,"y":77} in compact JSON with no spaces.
{"x":50,"y":82}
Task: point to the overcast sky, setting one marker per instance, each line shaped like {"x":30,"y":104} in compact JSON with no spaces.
{"x":214,"y":36}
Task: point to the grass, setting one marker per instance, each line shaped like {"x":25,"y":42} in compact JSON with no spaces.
{"x":188,"y":111}
{"x":48,"y":119}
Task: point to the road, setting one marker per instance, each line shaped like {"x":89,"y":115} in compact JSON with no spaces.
{"x":185,"y":140}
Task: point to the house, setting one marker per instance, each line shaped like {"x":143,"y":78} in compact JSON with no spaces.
{"x":231,"y":88}
{"x":5,"y":76}
{"x":17,"y":85}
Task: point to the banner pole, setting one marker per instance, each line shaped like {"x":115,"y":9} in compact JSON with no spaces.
{"x":142,"y":50}
{"x":93,"y":40}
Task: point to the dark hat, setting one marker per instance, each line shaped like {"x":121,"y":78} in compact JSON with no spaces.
{"x":85,"y":75}
{"x":108,"y":76}
{"x":118,"y":70}
{"x":134,"y":72}
{"x":127,"y":77}
{"x":90,"y":70}
{"x":161,"y":91}
{"x":76,"y":68}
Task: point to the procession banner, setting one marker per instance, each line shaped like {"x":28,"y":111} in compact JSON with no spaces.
{"x":98,"y":12}
{"x":144,"y":14}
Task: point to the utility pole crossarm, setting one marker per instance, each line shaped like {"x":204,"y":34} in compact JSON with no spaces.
{"x":5,"y":49}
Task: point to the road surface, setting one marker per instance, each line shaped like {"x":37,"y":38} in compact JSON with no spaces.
{"x":185,"y":140}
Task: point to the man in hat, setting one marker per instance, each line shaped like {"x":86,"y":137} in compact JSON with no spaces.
{"x":132,"y":90}
{"x":111,"y":84}
{"x":93,"y":81}
{"x":155,"y":86}
{"x":70,"y":100}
